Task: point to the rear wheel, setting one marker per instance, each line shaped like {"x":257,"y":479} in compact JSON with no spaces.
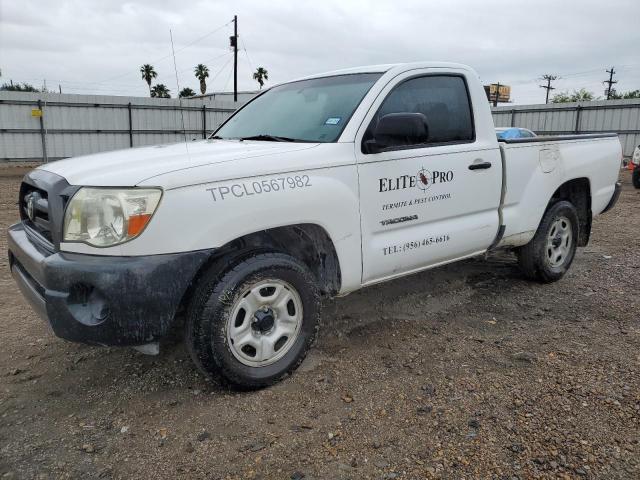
{"x":548,"y":256}
{"x":635,"y":177}
{"x":255,"y":323}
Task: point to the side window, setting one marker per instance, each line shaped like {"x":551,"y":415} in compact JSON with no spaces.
{"x":444,"y":102}
{"x":526,"y":134}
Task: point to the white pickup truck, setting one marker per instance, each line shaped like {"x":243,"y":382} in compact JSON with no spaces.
{"x":316,"y":187}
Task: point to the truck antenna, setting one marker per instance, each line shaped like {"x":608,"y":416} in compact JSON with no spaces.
{"x":175,"y":68}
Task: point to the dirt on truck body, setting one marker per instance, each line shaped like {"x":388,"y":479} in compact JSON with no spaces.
{"x":468,"y":371}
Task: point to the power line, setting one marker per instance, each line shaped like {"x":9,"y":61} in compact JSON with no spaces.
{"x":227,"y":82}
{"x":106,"y":87}
{"x":204,"y":36}
{"x":247,"y":54}
{"x":207,"y":61}
{"x":220,"y":71}
{"x":178,"y":50}
{"x":579,"y":74}
{"x":564,"y":76}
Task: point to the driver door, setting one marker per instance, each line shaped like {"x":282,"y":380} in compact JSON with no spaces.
{"x":429,"y":201}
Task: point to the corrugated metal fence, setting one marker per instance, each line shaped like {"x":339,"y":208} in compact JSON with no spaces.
{"x":620,"y":116}
{"x":73,"y":125}
{"x":37,"y":127}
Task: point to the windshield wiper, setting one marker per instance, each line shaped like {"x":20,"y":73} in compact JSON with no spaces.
{"x":271,"y":138}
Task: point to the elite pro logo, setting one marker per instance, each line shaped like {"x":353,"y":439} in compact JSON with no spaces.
{"x":423,"y":180}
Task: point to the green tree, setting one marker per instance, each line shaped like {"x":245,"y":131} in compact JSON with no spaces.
{"x":581,"y":95}
{"x":18,"y":87}
{"x":186,"y":92}
{"x":561,"y":97}
{"x":625,"y":95}
{"x":260,"y":75}
{"x":160,"y":91}
{"x":202,"y":73}
{"x":148,"y":74}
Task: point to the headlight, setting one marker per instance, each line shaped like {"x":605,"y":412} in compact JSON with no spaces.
{"x":104,"y":217}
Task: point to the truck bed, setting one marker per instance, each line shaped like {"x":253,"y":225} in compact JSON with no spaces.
{"x":533,"y":169}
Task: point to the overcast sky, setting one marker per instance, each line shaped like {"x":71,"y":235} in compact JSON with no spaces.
{"x":97,"y":46}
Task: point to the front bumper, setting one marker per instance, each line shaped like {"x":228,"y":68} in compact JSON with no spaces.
{"x":102,"y":300}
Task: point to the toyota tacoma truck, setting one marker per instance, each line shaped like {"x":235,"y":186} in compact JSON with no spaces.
{"x":317,"y":187}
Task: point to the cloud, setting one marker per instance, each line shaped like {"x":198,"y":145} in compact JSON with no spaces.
{"x":97,"y":46}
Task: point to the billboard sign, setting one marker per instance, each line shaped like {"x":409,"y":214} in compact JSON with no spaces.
{"x":503,"y":91}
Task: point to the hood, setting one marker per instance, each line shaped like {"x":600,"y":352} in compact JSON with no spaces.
{"x":135,"y":165}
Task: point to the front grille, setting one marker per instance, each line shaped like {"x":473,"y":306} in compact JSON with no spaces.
{"x":34,"y":210}
{"x":43,"y":197}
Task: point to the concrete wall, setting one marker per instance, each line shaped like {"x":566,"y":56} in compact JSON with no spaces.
{"x":74,"y":125}
{"x":620,"y":116}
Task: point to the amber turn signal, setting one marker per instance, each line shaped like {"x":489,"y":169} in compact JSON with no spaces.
{"x":137,"y":223}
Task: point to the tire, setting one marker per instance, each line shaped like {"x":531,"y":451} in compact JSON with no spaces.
{"x":548,"y":256}
{"x":635,"y":177}
{"x":236,"y":336}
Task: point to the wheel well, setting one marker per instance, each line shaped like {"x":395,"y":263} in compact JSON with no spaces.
{"x":306,"y":242}
{"x":578,"y":192}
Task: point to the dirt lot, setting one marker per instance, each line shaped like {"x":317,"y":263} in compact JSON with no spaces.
{"x":468,"y":371}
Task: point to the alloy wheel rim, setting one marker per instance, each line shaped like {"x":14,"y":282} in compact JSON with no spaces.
{"x":265,"y":322}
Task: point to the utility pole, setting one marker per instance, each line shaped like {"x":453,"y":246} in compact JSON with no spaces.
{"x":495,"y":100}
{"x":549,"y":78}
{"x":234,"y":45}
{"x":610,"y":82}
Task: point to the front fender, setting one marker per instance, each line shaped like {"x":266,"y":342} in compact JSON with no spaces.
{"x":211,"y":215}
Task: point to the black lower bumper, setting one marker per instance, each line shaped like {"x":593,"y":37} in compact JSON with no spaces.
{"x":101,"y":299}
{"x":614,"y":197}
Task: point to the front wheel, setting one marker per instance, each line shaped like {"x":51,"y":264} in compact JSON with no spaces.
{"x":548,"y":256}
{"x":635,"y":177}
{"x":254,"y":324}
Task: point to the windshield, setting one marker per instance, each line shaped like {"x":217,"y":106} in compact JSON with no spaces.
{"x":314,"y":110}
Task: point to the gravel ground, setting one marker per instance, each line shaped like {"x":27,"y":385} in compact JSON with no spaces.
{"x":467,"y":371}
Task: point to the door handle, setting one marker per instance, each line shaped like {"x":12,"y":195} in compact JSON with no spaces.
{"x":480,"y":166}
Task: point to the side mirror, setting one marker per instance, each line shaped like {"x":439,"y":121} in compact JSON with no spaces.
{"x":398,"y":130}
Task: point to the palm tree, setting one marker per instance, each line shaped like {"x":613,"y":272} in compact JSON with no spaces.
{"x":187,"y":92}
{"x":260,"y":75}
{"x":148,"y":74}
{"x":160,"y":90}
{"x":202,"y":72}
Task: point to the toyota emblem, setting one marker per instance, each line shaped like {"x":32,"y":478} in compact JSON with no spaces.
{"x":31,"y":199}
